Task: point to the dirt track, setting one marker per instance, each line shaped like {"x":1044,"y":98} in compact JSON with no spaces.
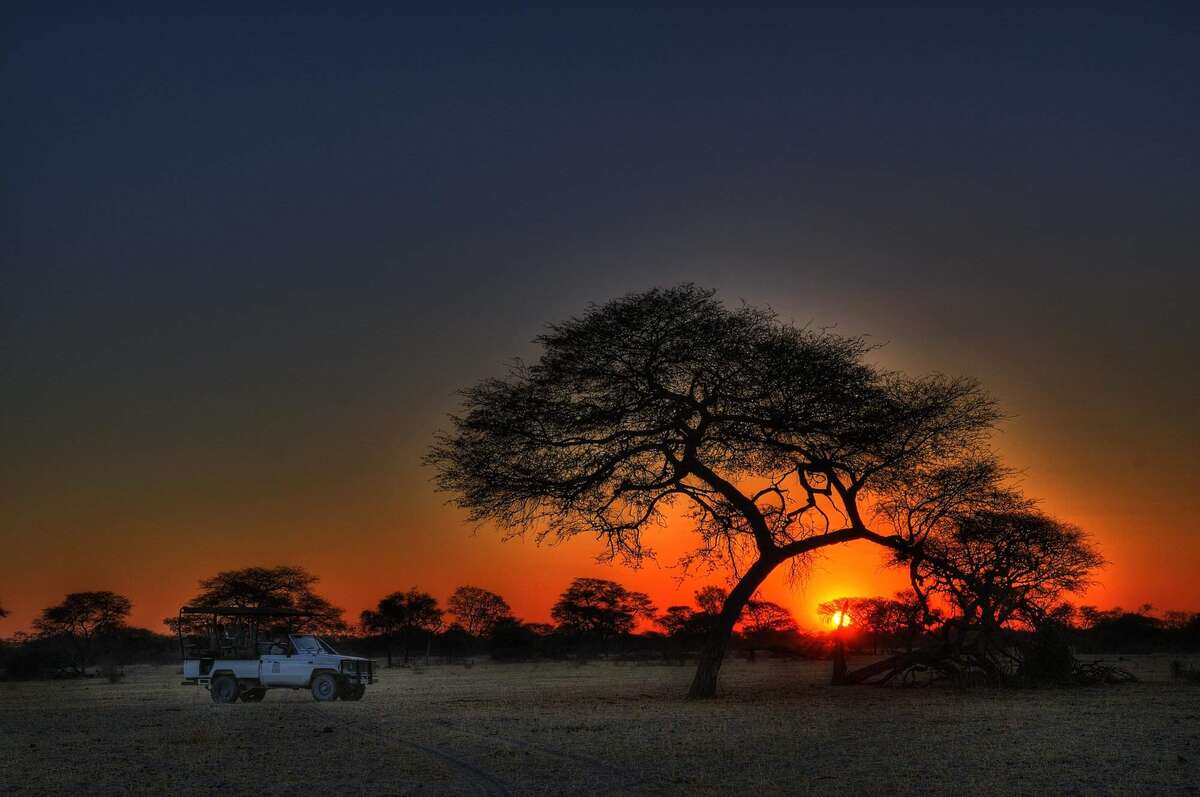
{"x":601,"y":729}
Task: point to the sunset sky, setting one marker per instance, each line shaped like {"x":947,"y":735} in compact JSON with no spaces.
{"x":248,"y":260}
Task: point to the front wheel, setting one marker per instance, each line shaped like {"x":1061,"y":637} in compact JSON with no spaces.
{"x":325,"y":687}
{"x":224,"y":689}
{"x":354,"y":692}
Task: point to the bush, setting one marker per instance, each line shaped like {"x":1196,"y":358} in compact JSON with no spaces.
{"x":1047,"y":657}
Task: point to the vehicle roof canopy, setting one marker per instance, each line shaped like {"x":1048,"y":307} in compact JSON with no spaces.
{"x":245,"y":611}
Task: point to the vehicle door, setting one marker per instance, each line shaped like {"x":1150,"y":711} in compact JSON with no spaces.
{"x":292,"y":668}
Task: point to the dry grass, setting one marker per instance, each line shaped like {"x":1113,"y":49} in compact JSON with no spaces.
{"x":600,"y":729}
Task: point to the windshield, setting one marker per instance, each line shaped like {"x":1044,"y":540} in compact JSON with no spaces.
{"x":306,"y":643}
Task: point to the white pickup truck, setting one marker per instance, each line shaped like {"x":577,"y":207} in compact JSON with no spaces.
{"x":238,"y":653}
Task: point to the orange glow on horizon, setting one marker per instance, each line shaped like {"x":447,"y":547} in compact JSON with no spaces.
{"x":390,"y":538}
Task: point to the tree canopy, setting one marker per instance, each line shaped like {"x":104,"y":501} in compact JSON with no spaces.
{"x":600,"y":609}
{"x":282,"y":587}
{"x":478,"y":610}
{"x":668,"y":395}
{"x":81,"y":618}
{"x":1003,"y":567}
{"x":404,"y":615}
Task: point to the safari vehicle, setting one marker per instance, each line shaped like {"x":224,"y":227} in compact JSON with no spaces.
{"x":238,"y":653}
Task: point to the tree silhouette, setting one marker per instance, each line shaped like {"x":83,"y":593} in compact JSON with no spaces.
{"x":599,"y":610}
{"x":404,"y":615}
{"x":676,"y":621}
{"x":766,"y":625}
{"x":836,"y":612}
{"x":478,"y":610}
{"x":711,"y":599}
{"x":1000,"y":567}
{"x":81,"y":619}
{"x":996,"y":570}
{"x":282,"y":587}
{"x":3,"y":612}
{"x":771,"y":437}
{"x":877,"y":619}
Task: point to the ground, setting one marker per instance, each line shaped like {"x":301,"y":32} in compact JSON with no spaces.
{"x":602,"y":728}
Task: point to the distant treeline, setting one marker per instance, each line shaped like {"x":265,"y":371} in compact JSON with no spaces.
{"x":592,"y":617}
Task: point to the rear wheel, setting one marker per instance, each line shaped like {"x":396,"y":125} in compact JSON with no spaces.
{"x":325,"y":687}
{"x":354,"y":692}
{"x":253,"y":695}
{"x":224,"y":689}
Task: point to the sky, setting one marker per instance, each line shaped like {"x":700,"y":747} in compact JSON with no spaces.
{"x":247,"y":260}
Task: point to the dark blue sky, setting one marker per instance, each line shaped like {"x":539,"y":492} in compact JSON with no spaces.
{"x":248,"y":257}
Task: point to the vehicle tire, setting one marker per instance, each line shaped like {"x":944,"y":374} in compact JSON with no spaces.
{"x":224,"y":689}
{"x":325,"y":687}
{"x":253,"y":695}
{"x":354,"y":692}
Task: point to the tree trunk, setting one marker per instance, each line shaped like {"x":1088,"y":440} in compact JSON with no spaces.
{"x":704,"y":684}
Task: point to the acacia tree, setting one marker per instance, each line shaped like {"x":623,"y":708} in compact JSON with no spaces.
{"x":599,"y":609}
{"x":404,"y":615}
{"x":478,"y":610}
{"x":710,"y":599}
{"x":774,"y":439}
{"x":81,"y":619}
{"x":282,"y":587}
{"x":764,"y":617}
{"x":1001,"y":567}
{"x":683,"y":624}
{"x":676,"y":621}
{"x":995,"y":570}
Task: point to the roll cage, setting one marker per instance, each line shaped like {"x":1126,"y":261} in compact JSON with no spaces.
{"x":235,"y":632}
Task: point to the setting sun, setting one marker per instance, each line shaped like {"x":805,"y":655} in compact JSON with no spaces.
{"x":839,"y":619}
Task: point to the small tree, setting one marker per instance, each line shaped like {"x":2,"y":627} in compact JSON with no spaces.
{"x":81,"y":620}
{"x":761,"y":431}
{"x":676,"y":621}
{"x":767,"y":625}
{"x":599,"y":610}
{"x":765,"y":617}
{"x":478,"y":610}
{"x":997,"y":570}
{"x":282,"y":587}
{"x":711,"y":599}
{"x":403,"y":615}
{"x":837,"y":612}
